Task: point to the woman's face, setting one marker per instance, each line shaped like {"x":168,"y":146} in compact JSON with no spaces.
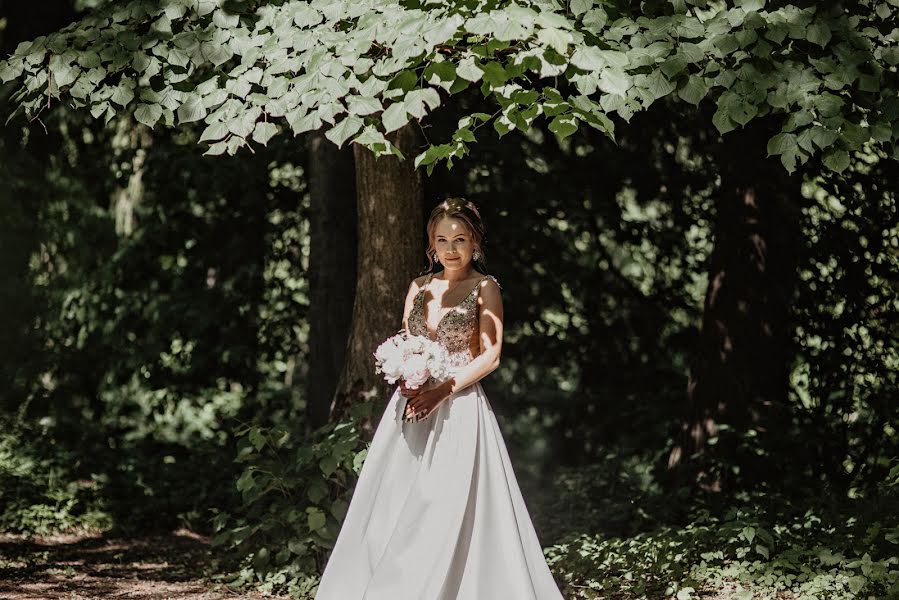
{"x":453,"y":243}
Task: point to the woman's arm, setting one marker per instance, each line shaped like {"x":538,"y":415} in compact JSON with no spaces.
{"x":490,"y":336}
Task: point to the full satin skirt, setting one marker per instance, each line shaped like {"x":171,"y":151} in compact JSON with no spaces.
{"x":437,"y":514}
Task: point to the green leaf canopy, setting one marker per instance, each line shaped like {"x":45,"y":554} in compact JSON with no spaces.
{"x":360,"y":69}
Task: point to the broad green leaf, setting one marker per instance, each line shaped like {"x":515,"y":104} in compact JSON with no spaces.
{"x":746,"y":37}
{"x":780,"y":143}
{"x":370,"y":136}
{"x":819,"y":33}
{"x":502,"y":126}
{"x":563,"y":126}
{"x":316,"y":518}
{"x":264,"y":132}
{"x":394,"y":117}
{"x":798,"y":119}
{"x":98,"y":109}
{"x":215,"y":131}
{"x":612,"y":81}
{"x":857,"y":582}
{"x":836,"y":160}
{"x":405,"y":81}
{"x":722,"y":122}
{"x":122,"y":95}
{"x":148,"y":114}
{"x":140,"y":63}
{"x":64,"y":73}
{"x":787,"y":146}
{"x":658,"y":85}
{"x":361,"y":106}
{"x":694,"y":90}
{"x":749,"y":533}
{"x":432,"y":154}
{"x":416,"y":100}
{"x":339,"y":509}
{"x":192,"y":110}
{"x":674,"y":65}
{"x":882,"y":131}
{"x":579,"y":7}
{"x":557,"y":39}
{"x":588,"y":58}
{"x":441,"y":73}
{"x":595,"y":20}
{"x":469,"y":71}
{"x":300,"y":121}
{"x":11,"y":70}
{"x":359,"y":460}
{"x":823,"y":137}
{"x":891,"y":55}
{"x":344,"y":130}
{"x":494,"y":73}
{"x":217,"y":54}
{"x":89,"y":59}
{"x":328,"y":464}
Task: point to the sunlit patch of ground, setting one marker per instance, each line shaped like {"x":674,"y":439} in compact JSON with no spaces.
{"x":86,"y":566}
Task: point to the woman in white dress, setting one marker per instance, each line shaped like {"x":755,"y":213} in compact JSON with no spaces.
{"x":437,"y":513}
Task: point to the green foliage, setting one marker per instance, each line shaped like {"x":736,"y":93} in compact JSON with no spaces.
{"x":156,"y":300}
{"x":847,"y":366}
{"x":295,"y":490}
{"x":362,"y":70}
{"x":760,"y":547}
{"x":39,"y":493}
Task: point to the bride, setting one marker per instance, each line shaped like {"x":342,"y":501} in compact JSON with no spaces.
{"x":437,"y":513}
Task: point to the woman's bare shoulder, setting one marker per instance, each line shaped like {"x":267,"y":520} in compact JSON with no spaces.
{"x":418,"y":282}
{"x":489,"y":281}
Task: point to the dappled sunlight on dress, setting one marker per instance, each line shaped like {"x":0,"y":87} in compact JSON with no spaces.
{"x":437,"y":513}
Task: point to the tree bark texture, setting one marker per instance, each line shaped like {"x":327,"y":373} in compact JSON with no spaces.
{"x":390,"y":252}
{"x":332,"y":269}
{"x":738,"y":384}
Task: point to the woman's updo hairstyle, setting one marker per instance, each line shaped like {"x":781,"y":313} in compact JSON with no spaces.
{"x":465,"y":211}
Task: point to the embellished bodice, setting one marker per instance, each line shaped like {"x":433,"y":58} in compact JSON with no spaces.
{"x":456,"y":326}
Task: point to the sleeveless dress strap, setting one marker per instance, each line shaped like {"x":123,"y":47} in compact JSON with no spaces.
{"x":486,"y":277}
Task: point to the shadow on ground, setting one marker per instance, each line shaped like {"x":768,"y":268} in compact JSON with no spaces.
{"x":84,"y":566}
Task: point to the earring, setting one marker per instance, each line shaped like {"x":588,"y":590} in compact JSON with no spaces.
{"x":477,"y":255}
{"x":436,"y":260}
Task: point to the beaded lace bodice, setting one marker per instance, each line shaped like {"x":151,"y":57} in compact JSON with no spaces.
{"x":455,"y":328}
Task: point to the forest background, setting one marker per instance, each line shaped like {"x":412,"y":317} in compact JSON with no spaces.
{"x":699,"y":378}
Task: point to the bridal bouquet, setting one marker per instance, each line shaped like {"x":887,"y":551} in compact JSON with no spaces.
{"x":413,"y":358}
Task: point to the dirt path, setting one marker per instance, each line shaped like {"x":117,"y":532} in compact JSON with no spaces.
{"x":77,"y":567}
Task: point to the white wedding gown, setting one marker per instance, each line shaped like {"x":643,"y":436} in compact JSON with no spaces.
{"x":437,"y":513}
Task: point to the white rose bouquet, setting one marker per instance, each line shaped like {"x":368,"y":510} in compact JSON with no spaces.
{"x":413,"y":358}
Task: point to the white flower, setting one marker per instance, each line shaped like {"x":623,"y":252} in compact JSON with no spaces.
{"x":415,"y":371}
{"x":412,"y":358}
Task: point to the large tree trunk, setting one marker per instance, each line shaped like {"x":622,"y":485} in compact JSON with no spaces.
{"x":389,"y":197}
{"x":738,"y":384}
{"x":332,"y":269}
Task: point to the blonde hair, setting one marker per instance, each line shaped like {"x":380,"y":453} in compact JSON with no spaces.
{"x":464,"y":210}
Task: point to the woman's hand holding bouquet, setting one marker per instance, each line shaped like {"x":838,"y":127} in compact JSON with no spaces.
{"x":414,"y":360}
